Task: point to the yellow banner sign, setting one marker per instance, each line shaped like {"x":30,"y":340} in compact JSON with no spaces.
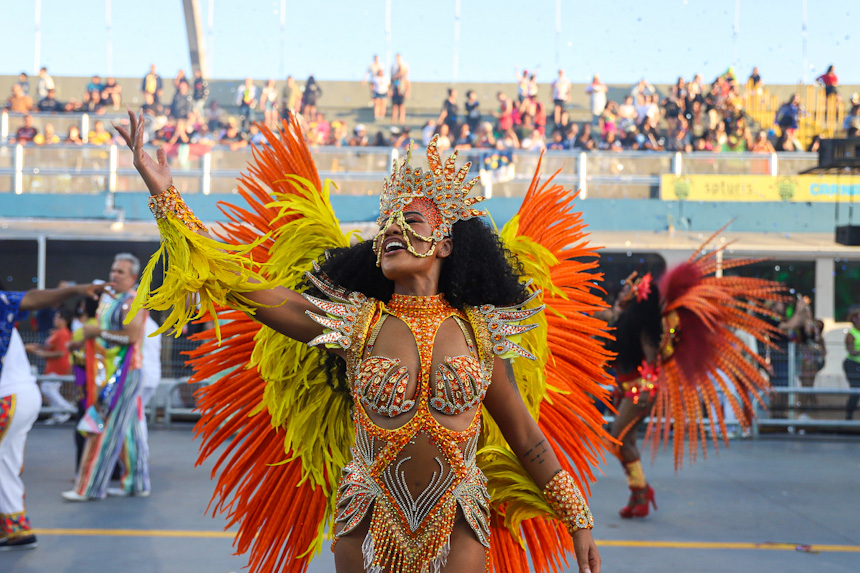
{"x":798,"y":188}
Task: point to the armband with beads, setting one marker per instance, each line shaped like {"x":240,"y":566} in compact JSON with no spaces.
{"x":170,"y":201}
{"x":567,"y":502}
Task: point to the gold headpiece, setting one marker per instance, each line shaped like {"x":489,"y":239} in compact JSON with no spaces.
{"x":443,"y":185}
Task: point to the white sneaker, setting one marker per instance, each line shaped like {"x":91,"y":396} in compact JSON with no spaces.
{"x":72,"y":495}
{"x":61,"y":418}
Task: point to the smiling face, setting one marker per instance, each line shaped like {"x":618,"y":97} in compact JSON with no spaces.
{"x":404,"y":246}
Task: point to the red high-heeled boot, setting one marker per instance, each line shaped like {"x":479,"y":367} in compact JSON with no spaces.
{"x":637,"y":506}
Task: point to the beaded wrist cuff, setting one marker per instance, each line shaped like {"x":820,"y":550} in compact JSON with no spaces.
{"x":567,"y":502}
{"x":171,"y":202}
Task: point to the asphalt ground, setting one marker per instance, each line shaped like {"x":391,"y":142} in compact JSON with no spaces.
{"x":772,"y":504}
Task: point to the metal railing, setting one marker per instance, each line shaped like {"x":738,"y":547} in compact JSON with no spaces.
{"x":358,"y":171}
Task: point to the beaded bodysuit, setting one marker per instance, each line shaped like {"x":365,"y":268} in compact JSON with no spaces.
{"x":410,"y":468}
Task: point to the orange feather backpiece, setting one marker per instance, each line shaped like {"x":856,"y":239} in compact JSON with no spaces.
{"x":562,"y":387}
{"x":701,"y":354}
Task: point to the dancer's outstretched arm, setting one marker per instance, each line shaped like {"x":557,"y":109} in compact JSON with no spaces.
{"x":279,"y":308}
{"x":506,"y":406}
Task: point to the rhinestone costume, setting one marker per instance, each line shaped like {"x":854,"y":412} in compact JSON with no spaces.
{"x":410,"y":530}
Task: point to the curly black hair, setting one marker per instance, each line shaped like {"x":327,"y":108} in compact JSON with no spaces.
{"x":480,"y":270}
{"x":638,"y":319}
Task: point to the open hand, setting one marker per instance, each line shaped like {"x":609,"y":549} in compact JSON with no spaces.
{"x":95,"y":290}
{"x":155,"y":173}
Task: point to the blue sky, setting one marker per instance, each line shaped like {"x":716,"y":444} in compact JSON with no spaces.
{"x":620,"y":39}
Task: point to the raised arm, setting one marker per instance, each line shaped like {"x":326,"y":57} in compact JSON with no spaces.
{"x":278,"y":308}
{"x":506,"y":406}
{"x":43,"y":298}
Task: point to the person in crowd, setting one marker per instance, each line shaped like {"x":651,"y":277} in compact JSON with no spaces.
{"x":400,"y":89}
{"x":679,"y":138}
{"x":24,"y":82}
{"x":560,"y":96}
{"x":371,"y":73}
{"x":199,"y":91}
{"x":755,"y":81}
{"x":255,"y":136}
{"x":232,"y":136}
{"x":445,"y":140}
{"x":788,"y":141}
{"x":359,"y":136}
{"x":73,"y":137}
{"x":27,"y":132}
{"x":584,"y":140}
{"x":381,"y":84}
{"x":150,"y":107}
{"x":56,"y":357}
{"x":112,"y":93}
{"x":179,"y":79}
{"x":95,"y":86}
{"x":788,"y":114}
{"x":291,"y":96}
{"x":48,"y":136}
{"x":762,"y":144}
{"x":93,"y":104}
{"x":99,"y":135}
{"x":180,"y":110}
{"x":310,"y":97}
{"x":152,"y":84}
{"x":505,"y":115}
{"x":19,"y":102}
{"x":830,"y":82}
{"x":525,"y":127}
{"x":464,"y":138}
{"x":643,"y":88}
{"x":49,"y":103}
{"x":596,"y":91}
{"x":485,"y":138}
{"x":533,"y":86}
{"x":851,"y":364}
{"x":448,"y":116}
{"x":557,"y":143}
{"x":269,"y":104}
{"x":45,"y":84}
{"x":120,"y":439}
{"x":246,"y":99}
{"x":19,"y":405}
{"x":473,"y":111}
{"x":811,"y":356}
{"x":522,"y":86}
{"x":533,"y":142}
{"x":215,"y":117}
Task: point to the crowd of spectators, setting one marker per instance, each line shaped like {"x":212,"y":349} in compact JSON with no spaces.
{"x":692,"y":116}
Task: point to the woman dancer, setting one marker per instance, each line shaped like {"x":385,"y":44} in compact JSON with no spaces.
{"x":638,"y":330}
{"x":424,"y":320}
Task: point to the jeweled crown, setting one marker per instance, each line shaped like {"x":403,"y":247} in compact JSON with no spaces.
{"x":444,"y":185}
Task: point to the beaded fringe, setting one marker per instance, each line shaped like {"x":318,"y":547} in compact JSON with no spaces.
{"x":368,"y":550}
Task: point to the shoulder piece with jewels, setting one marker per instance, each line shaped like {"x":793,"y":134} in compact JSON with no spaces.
{"x":298,"y":458}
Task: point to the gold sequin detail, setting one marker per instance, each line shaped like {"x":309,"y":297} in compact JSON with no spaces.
{"x":567,"y":502}
{"x":170,"y":201}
